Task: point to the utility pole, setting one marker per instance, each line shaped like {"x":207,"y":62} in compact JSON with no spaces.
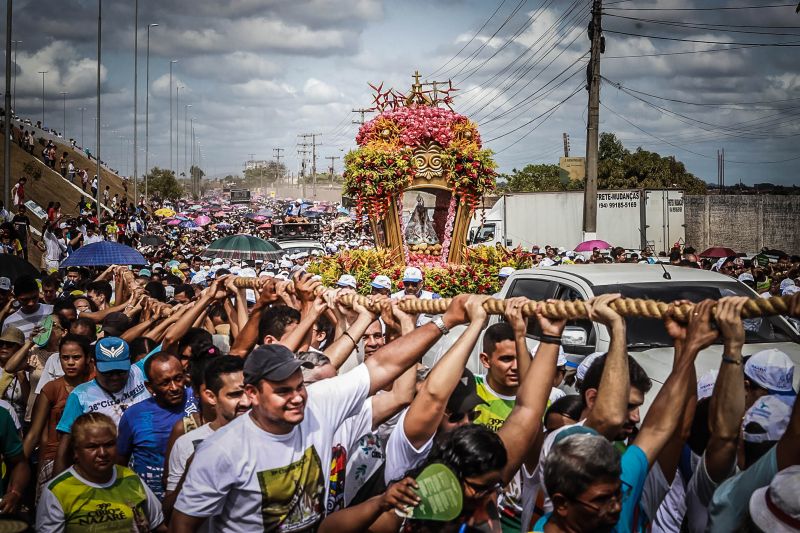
{"x":82,"y":109}
{"x":14,"y":90}
{"x":593,"y":123}
{"x":177,"y":128}
{"x":362,"y":112}
{"x":277,"y":154}
{"x":566,"y":144}
{"x":332,"y":159}
{"x":313,"y":157}
{"x":303,"y":152}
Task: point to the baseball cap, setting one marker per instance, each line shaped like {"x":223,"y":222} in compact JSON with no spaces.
{"x":273,"y":362}
{"x":583,"y":367}
{"x":505,"y":272}
{"x":346,"y":280}
{"x":786,"y":283}
{"x":382,"y":282}
{"x":112,"y":353}
{"x":705,"y":384}
{"x":144,"y":272}
{"x":772,"y":414}
{"x":12,"y":334}
{"x":285,"y":263}
{"x":412,"y":274}
{"x":562,"y":355}
{"x":157,"y":266}
{"x":5,"y":284}
{"x":776,"y":507}
{"x":574,"y":429}
{"x":746,"y":276}
{"x":771,"y":369}
{"x":465,"y":396}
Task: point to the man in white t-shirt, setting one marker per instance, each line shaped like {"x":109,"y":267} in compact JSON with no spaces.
{"x":224,"y":391}
{"x":239,"y":487}
{"x":31,"y":313}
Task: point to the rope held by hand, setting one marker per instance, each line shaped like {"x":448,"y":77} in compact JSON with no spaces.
{"x":560,"y":309}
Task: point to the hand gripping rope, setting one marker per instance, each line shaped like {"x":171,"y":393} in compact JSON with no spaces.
{"x":627,"y":307}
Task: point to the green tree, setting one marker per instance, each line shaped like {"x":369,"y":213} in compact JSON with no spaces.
{"x":163,"y":183}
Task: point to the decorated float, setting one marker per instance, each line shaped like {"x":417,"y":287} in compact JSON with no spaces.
{"x":418,"y":174}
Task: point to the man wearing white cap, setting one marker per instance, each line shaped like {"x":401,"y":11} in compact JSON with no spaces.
{"x":776,"y":508}
{"x":381,"y":285}
{"x":769,"y":372}
{"x":505,"y":272}
{"x":347,"y":281}
{"x":413,"y":283}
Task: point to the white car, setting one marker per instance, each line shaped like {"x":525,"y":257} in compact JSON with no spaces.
{"x":296,"y":246}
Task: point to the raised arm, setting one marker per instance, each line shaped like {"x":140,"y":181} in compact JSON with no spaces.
{"x":19,"y":360}
{"x":248,"y":335}
{"x":728,"y":399}
{"x":298,"y":338}
{"x":519,"y":324}
{"x":610,"y":409}
{"x":524,"y":423}
{"x":426,"y":411}
{"x":343,"y":346}
{"x":396,"y":357}
{"x":176,"y":332}
{"x":667,"y":408}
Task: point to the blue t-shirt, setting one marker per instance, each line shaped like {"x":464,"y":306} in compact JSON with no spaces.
{"x":143,"y":434}
{"x":633,"y":476}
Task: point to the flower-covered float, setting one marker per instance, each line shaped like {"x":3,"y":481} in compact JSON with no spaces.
{"x":417,"y":144}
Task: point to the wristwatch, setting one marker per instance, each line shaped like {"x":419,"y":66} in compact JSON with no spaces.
{"x":437,"y":320}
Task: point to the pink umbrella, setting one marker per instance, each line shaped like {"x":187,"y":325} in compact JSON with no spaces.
{"x":202,"y":220}
{"x":265,"y":226}
{"x":173,"y":222}
{"x":220,"y":214}
{"x":588,"y":246}
{"x":259,"y":218}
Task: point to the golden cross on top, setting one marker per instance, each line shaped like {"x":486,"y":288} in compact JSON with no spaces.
{"x":416,"y":77}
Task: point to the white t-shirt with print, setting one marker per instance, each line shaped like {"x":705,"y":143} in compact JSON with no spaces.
{"x":247,"y":479}
{"x":182,"y":449}
{"x":345,"y":441}
{"x":401,"y":455}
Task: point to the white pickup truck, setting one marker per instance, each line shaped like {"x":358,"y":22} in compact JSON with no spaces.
{"x":648,"y":341}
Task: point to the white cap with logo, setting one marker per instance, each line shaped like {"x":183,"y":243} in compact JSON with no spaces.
{"x":771,"y":414}
{"x":412,"y":274}
{"x":771,"y":369}
{"x":347,"y":280}
{"x":382,"y":282}
{"x":505,"y":272}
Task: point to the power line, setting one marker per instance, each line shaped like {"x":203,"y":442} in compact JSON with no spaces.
{"x":708,"y":27}
{"x":658,"y":54}
{"x":471,"y":40}
{"x":538,"y":116}
{"x":788,"y":43}
{"x":692,"y":151}
{"x":722,"y":8}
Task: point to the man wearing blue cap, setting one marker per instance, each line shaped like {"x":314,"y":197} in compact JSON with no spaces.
{"x":117,"y":386}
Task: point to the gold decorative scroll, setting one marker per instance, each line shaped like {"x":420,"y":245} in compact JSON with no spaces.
{"x":428,"y":160}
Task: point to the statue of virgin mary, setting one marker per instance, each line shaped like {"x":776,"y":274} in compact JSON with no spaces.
{"x":420,"y":229}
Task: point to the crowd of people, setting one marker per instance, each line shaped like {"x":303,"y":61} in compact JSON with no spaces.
{"x":172,"y":396}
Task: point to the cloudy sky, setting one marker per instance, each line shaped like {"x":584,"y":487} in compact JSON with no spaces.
{"x":685,"y":77}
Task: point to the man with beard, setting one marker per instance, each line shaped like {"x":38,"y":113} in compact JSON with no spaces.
{"x":145,"y":427}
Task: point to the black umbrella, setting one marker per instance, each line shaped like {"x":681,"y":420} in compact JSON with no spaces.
{"x":13,"y":267}
{"x":151,"y":240}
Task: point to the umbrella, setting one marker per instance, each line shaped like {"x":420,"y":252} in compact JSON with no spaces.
{"x":266,"y":212}
{"x":164,"y":212}
{"x":718,"y":251}
{"x":151,"y":240}
{"x":220,"y":214}
{"x":195,"y":207}
{"x":588,"y":246}
{"x":312,"y":214}
{"x":188,"y":224}
{"x":13,"y":267}
{"x":343,"y":210}
{"x":224,"y":225}
{"x":265,"y":226}
{"x":202,"y":220}
{"x":104,"y":253}
{"x":173,"y":222}
{"x":242,"y":247}
{"x":259,"y":218}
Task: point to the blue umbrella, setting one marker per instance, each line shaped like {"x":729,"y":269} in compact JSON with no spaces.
{"x":343,"y":210}
{"x":188,"y":224}
{"x":103,"y":254}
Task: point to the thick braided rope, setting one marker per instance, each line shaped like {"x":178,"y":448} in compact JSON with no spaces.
{"x":627,"y":307}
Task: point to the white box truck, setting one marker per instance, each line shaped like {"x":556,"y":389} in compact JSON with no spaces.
{"x":631,"y":218}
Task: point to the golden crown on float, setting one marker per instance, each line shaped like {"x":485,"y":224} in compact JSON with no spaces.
{"x":418,"y":144}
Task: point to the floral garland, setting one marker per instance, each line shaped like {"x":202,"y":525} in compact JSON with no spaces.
{"x":448,"y":227}
{"x":383,"y":165}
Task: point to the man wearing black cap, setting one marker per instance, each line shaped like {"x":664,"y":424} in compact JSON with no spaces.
{"x":270,"y":470}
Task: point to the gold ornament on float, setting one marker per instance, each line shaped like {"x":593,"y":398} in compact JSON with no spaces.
{"x":428,"y":160}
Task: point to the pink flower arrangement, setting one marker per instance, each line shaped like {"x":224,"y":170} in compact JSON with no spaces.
{"x":418,"y":124}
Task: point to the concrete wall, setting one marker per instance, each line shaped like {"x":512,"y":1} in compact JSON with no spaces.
{"x":746,"y":223}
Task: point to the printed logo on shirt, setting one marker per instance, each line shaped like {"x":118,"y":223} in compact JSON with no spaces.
{"x":337,"y":479}
{"x":292,"y":495}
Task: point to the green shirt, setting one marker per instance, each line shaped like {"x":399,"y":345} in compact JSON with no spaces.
{"x":10,"y":442}
{"x":497,"y":408}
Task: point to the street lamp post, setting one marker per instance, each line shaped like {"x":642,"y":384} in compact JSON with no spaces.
{"x":83,"y":145}
{"x":185,"y":113}
{"x":14,"y":90}
{"x":135,"y":97}
{"x":64,"y":131}
{"x":99,"y":59}
{"x":172,"y":62}
{"x":9,"y":115}
{"x":178,"y":88}
{"x":147,"y":116}
{"x":43,"y":72}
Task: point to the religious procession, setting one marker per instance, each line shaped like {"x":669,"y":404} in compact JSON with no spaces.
{"x":433,"y":340}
